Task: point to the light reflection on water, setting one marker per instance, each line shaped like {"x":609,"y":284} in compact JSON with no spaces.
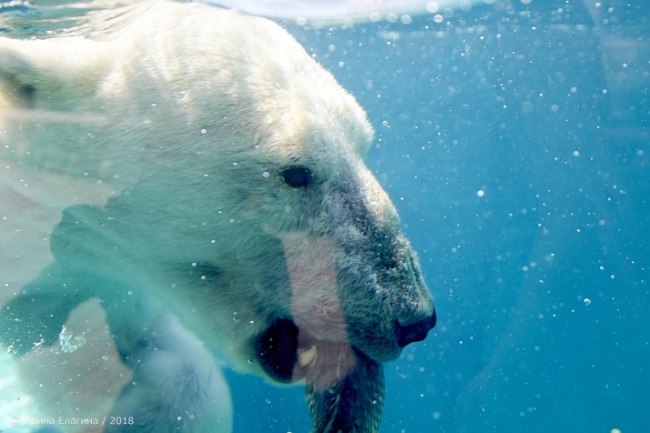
{"x":47,"y":18}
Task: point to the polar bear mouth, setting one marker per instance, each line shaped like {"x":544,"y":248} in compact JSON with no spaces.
{"x":289,"y":353}
{"x":344,"y":387}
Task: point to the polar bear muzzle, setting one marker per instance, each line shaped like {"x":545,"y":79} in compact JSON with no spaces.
{"x":356,"y":299}
{"x":337,"y":347}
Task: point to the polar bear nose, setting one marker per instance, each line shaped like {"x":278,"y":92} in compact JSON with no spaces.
{"x":407,"y":334}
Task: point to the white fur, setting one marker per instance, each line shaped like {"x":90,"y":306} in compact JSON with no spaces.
{"x":187,"y":114}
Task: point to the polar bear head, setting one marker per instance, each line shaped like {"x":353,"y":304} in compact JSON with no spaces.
{"x":243,"y":203}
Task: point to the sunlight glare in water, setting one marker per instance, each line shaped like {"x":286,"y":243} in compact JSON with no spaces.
{"x":336,"y":10}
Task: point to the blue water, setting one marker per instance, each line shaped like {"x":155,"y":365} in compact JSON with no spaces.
{"x":515,"y":143}
{"x":516,"y":147}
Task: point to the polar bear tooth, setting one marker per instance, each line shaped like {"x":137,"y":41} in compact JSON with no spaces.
{"x":307,"y":356}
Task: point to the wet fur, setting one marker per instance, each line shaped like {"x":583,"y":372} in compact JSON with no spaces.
{"x":190,"y":114}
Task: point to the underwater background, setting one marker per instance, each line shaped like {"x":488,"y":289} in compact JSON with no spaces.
{"x":513,"y":138}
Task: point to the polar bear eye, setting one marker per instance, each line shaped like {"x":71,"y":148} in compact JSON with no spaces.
{"x":296,"y":177}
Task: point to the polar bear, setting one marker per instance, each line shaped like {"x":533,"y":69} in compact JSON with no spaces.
{"x":243,"y":224}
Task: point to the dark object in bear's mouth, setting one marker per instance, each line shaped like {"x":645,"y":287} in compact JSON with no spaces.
{"x":352,"y":405}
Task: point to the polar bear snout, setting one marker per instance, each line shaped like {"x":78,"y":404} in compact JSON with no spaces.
{"x":414,"y":332}
{"x":417,"y":314}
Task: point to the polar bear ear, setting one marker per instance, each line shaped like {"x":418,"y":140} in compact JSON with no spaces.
{"x":54,"y":74}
